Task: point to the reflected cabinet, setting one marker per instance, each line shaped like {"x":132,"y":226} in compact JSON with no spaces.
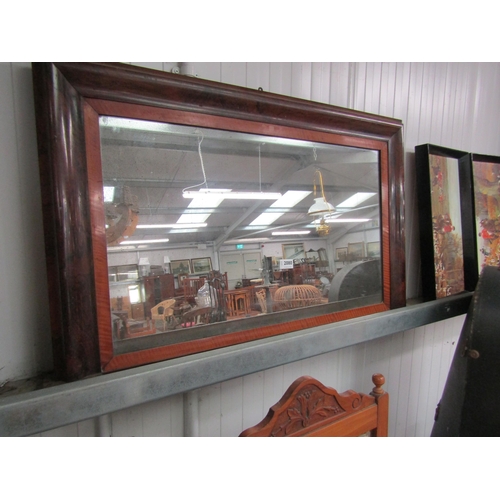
{"x":183,"y":215}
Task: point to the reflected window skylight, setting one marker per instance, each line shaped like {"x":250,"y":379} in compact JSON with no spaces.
{"x":288,"y":200}
{"x":210,"y":201}
{"x":266,"y":219}
{"x":109,"y":193}
{"x":193,"y":218}
{"x":355,"y":200}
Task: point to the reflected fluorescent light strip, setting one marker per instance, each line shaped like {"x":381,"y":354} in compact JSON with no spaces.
{"x":204,"y":199}
{"x":193,"y":218}
{"x":231,"y":195}
{"x":178,"y":231}
{"x":339,"y":221}
{"x":142,"y":242}
{"x":173,"y":226}
{"x":289,"y":233}
{"x":355,"y":200}
{"x":290,"y":199}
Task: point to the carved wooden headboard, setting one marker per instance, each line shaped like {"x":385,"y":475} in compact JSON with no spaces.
{"x":308,"y":408}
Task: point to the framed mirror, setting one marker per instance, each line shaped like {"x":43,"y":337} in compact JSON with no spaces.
{"x":174,"y":176}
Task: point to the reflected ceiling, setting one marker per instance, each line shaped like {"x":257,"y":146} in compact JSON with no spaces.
{"x":158,"y":161}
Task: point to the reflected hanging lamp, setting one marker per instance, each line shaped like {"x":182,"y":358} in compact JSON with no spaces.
{"x":320,"y":207}
{"x":218,"y":194}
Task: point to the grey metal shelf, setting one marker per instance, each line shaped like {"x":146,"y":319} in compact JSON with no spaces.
{"x":45,"y":409}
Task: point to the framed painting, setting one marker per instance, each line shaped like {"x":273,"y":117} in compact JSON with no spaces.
{"x":341,"y":254}
{"x":182,"y":266}
{"x":355,"y":251}
{"x":201,"y":265}
{"x":486,"y":176}
{"x":447,"y":242}
{"x":373,"y":249}
{"x":294,"y":251}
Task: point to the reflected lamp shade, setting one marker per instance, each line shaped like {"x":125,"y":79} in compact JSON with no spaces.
{"x":166,"y":263}
{"x":320,"y":206}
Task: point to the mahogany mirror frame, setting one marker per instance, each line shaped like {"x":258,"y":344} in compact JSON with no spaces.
{"x":70,"y":97}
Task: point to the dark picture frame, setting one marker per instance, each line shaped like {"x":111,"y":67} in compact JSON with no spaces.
{"x":447,"y":242}
{"x":70,"y":98}
{"x":485,"y":180}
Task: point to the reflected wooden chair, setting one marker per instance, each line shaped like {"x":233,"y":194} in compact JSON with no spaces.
{"x":197,"y":316}
{"x":164,"y":312}
{"x":221,"y":276}
{"x":308,"y":408}
{"x":262,"y":300}
{"x":191,"y":287}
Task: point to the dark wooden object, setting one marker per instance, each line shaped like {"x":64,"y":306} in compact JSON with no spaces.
{"x":426,"y":223}
{"x":191,"y":287}
{"x":156,"y":290}
{"x":70,"y":97}
{"x":308,"y":408}
{"x":470,"y":405}
{"x":197,"y":316}
{"x":303,"y":272}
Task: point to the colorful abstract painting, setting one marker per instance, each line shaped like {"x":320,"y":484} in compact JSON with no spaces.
{"x":447,"y":225}
{"x":487,"y":212}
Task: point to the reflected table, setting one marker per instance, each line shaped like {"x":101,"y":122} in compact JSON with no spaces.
{"x":238,"y":302}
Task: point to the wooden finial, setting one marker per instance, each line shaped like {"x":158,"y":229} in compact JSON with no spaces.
{"x":379,"y":380}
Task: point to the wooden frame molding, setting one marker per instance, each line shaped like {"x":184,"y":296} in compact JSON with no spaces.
{"x":70,"y":97}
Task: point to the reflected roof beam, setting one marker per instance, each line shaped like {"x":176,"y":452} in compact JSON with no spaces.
{"x":239,"y":185}
{"x":207,"y":148}
{"x":334,"y":236}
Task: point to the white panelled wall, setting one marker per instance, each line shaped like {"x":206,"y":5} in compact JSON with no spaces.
{"x":450,"y":104}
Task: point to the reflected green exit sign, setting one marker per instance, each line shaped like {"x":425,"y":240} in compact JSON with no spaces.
{"x":240,"y":246}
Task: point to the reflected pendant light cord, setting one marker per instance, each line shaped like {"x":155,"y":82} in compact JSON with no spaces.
{"x":317,"y":172}
{"x":202,"y":169}
{"x":260,"y":173}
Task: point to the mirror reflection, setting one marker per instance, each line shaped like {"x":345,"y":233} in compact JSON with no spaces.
{"x":205,"y":225}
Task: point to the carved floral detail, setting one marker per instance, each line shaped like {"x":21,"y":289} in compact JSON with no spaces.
{"x":308,"y":408}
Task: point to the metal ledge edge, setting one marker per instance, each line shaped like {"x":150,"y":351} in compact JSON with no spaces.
{"x":45,"y":409}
